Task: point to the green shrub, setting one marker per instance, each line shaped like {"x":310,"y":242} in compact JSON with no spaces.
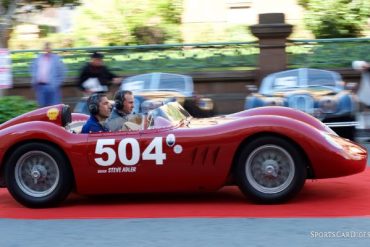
{"x":13,"y":106}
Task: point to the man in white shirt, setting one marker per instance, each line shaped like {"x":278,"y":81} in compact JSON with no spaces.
{"x":47,"y":72}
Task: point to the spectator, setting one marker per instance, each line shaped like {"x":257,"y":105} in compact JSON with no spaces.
{"x":95,"y":76}
{"x":47,"y":75}
{"x":363,"y":91}
{"x":100,"y":109}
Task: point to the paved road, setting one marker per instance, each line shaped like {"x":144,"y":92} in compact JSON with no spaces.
{"x":186,"y":232}
{"x":195,"y":232}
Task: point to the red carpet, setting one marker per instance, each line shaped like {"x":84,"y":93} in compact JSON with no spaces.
{"x":340,"y":197}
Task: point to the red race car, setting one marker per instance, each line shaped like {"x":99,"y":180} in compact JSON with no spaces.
{"x":268,"y":152}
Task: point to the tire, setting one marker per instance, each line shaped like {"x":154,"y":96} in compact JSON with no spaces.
{"x":270,"y":170}
{"x":38,"y":175}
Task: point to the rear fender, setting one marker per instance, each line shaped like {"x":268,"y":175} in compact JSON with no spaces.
{"x":285,"y":112}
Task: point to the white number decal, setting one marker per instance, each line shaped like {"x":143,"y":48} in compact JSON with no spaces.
{"x":154,"y":151}
{"x":100,"y":149}
{"x":122,"y":151}
{"x":157,"y":155}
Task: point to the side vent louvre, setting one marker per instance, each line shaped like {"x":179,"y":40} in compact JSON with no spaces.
{"x":205,"y":156}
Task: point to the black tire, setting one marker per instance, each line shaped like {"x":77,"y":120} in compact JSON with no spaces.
{"x":270,"y":170}
{"x":38,"y":175}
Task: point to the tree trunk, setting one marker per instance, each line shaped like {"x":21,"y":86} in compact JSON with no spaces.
{"x":6,"y":21}
{"x":4,"y":36}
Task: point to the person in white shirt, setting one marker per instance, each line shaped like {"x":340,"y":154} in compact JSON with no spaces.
{"x":47,"y":75}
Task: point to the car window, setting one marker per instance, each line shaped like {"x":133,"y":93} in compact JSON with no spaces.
{"x":286,"y":79}
{"x":321,"y":78}
{"x":172,"y":82}
{"x":134,"y":83}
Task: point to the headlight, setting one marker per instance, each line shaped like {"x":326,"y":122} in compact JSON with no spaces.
{"x":328,"y":105}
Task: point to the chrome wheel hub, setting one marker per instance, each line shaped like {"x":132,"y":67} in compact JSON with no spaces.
{"x":37,"y":173}
{"x":270,"y":169}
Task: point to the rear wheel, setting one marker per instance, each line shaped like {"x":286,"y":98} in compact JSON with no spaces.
{"x":270,"y":170}
{"x":38,"y":175}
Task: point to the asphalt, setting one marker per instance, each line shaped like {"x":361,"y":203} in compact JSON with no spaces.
{"x":186,"y":232}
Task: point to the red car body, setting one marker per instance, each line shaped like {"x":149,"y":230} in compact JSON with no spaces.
{"x":197,"y":155}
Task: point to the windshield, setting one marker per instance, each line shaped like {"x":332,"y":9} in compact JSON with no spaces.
{"x":302,"y":78}
{"x":170,"y":114}
{"x":158,"y":81}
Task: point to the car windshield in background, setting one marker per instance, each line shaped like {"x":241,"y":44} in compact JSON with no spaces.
{"x":155,"y":81}
{"x":302,"y":78}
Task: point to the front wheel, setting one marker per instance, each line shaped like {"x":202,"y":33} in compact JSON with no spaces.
{"x":270,"y":170}
{"x":38,"y":175}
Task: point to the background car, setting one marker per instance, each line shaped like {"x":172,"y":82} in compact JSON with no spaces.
{"x":320,"y":93}
{"x":159,"y":86}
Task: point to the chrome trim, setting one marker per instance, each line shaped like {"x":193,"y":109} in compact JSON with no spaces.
{"x":342,"y":124}
{"x":302,"y":102}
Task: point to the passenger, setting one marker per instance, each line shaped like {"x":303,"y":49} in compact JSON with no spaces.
{"x":124,"y":105}
{"x":100,"y":109}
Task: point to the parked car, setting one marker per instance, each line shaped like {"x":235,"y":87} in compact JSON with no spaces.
{"x":166,"y":87}
{"x":268,"y":152}
{"x":320,"y":93}
{"x":160,"y":88}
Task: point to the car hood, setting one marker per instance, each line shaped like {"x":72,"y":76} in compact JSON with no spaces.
{"x":203,"y":122}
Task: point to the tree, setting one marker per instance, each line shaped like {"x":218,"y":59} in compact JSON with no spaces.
{"x":128,"y":22}
{"x":10,"y":9}
{"x":336,"y":18}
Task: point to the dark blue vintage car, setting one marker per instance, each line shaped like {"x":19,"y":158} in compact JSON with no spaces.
{"x":321,"y":93}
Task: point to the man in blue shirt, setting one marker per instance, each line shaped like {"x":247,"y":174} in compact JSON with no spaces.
{"x":100,"y":109}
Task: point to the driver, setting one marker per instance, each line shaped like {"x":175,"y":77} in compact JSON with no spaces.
{"x":124,"y":105}
{"x":100,"y":108}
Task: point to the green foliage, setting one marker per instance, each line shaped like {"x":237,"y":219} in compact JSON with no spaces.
{"x":328,"y":54}
{"x":124,"y":22}
{"x":13,"y":106}
{"x":336,"y":18}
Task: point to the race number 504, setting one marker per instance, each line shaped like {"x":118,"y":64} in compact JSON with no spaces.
{"x":154,"y":151}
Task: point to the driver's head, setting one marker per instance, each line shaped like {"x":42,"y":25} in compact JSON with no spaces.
{"x":124,"y":101}
{"x":99,"y":106}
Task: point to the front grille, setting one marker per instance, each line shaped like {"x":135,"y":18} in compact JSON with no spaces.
{"x":303,"y":103}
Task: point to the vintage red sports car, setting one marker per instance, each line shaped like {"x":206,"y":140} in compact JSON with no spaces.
{"x":268,"y":152}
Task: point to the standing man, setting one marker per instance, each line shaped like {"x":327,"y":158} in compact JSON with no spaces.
{"x":95,"y":76}
{"x":100,"y":109}
{"x":47,"y":75}
{"x":123,"y":106}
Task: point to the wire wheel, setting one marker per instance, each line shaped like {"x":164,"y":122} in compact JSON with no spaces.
{"x":37,"y":173}
{"x":270,"y":169}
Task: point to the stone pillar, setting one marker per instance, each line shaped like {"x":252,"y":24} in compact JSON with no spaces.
{"x":272,"y":32}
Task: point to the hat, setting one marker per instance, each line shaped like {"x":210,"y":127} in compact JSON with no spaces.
{"x":97,"y":55}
